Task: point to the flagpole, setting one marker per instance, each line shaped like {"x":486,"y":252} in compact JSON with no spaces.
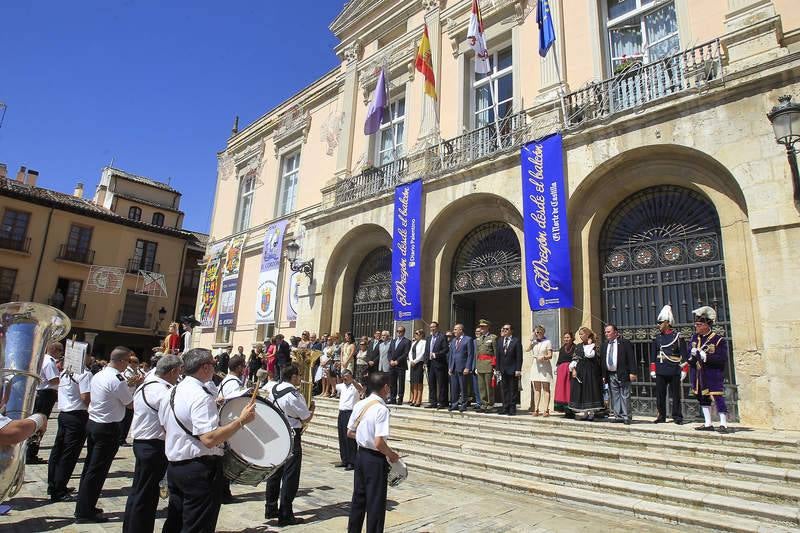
{"x":495,"y":106}
{"x":391,"y":121}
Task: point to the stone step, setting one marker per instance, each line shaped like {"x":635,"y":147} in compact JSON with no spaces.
{"x":717,"y":519}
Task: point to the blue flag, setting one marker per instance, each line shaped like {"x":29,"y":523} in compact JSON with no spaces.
{"x":547,"y":34}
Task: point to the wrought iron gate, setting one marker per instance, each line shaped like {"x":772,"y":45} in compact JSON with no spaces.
{"x":662,"y":246}
{"x":372,"y":294}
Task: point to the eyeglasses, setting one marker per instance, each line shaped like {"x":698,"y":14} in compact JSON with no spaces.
{"x":362,"y":343}
{"x":505,"y":328}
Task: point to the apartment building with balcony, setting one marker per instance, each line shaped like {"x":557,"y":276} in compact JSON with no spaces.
{"x":51,"y":241}
{"x":678,"y":192}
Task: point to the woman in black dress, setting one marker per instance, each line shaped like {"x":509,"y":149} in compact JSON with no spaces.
{"x":586,"y":390}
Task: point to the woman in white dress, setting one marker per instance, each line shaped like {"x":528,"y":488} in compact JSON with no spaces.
{"x":541,"y":371}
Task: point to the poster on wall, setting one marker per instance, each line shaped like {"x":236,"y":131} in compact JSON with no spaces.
{"x":267,"y":292}
{"x":293,"y":297}
{"x":210,"y":294}
{"x":544,"y":208}
{"x":407,"y":229}
{"x":231,"y":267}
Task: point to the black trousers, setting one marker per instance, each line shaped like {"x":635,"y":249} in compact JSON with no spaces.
{"x":397,"y":384}
{"x":673,"y":383}
{"x":437,"y":384}
{"x":66,"y":449}
{"x":102,"y":443}
{"x":195,"y":495}
{"x":347,"y":446}
{"x":369,"y":492}
{"x":509,"y":387}
{"x":45,"y":400}
{"x":284,"y":482}
{"x":125,"y":425}
{"x":142,"y":504}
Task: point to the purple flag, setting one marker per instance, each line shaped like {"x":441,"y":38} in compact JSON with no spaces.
{"x":376,"y":107}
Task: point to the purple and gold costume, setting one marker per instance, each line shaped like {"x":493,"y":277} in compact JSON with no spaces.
{"x":707,"y":379}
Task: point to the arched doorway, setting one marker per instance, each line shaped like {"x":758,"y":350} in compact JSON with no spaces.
{"x":486,"y":277}
{"x":663,"y":245}
{"x":372,"y":293}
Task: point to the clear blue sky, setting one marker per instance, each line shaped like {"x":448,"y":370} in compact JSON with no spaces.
{"x":153,"y":84}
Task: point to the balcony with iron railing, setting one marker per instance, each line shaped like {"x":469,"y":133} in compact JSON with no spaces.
{"x":75,"y":311}
{"x":76,"y":255}
{"x":638,"y":84}
{"x":131,"y":319}
{"x":18,"y":244}
{"x":135,"y":264}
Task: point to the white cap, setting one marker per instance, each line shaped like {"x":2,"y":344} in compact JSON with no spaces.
{"x":705,"y":312}
{"x":666,"y":315}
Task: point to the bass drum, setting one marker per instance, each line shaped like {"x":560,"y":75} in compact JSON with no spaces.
{"x":257,"y":450}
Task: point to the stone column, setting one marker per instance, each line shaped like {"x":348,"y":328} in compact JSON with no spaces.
{"x":753,"y":33}
{"x":344,"y":154}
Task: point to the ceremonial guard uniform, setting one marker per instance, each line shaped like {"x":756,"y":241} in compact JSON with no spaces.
{"x":284,"y":482}
{"x":109,"y":397}
{"x":148,"y":448}
{"x":71,"y":436}
{"x":668,"y":366}
{"x":46,"y":397}
{"x":708,"y":356}
{"x":486,"y":361}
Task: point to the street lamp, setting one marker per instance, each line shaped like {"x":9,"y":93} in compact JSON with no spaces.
{"x":298,"y":265}
{"x":785,"y":119}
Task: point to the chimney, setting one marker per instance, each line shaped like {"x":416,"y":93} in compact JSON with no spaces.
{"x":33,"y":175}
{"x":78,"y":192}
{"x":100,"y":196}
{"x":3,"y":170}
{"x":21,"y":174}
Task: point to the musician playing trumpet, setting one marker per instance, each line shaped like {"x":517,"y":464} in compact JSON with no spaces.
{"x":707,"y":359}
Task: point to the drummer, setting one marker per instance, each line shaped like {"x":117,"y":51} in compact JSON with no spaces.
{"x":193,"y":445}
{"x":285,"y":481}
{"x":232,"y":386}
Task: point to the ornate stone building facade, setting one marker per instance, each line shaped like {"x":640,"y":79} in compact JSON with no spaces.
{"x":678,"y":192}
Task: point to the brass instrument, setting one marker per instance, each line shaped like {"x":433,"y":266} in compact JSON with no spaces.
{"x":26,"y":329}
{"x":304,"y":359}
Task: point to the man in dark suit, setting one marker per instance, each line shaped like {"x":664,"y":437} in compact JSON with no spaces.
{"x":373,"y":352}
{"x":509,"y":363}
{"x":460,"y":365}
{"x":283,"y":353}
{"x":619,"y":370}
{"x":398,"y":364}
{"x":436,"y":358}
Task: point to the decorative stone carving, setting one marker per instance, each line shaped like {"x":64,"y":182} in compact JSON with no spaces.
{"x":295,"y":122}
{"x":225,"y":166}
{"x":352,"y":52}
{"x":332,"y":131}
{"x":430,"y":5}
{"x":394,"y":58}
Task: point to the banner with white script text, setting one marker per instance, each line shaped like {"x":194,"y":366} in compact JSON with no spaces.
{"x":406,"y":243}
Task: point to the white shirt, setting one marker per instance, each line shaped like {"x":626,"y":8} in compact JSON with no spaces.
{"x":374,"y":423}
{"x":4,"y":421}
{"x":348,"y":396}
{"x":293,"y":405}
{"x":229,"y":385}
{"x":70,"y":388}
{"x":147,"y":402}
{"x":268,"y":386}
{"x":109,"y":396}
{"x":611,"y":355}
{"x":419,"y":352}
{"x":197,"y":409}
{"x":49,"y":371}
{"x":187,"y":341}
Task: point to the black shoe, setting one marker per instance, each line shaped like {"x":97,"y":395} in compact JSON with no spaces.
{"x":462,"y":409}
{"x":616,"y":420}
{"x":704,"y":428}
{"x":390,"y":402}
{"x":678,"y":421}
{"x":432,"y":406}
{"x":659,"y":420}
{"x":62,"y":497}
{"x":340,"y":465}
{"x":124,"y":444}
{"x":228,"y":500}
{"x":99,"y":518}
{"x":291,"y":521}
{"x":349,"y":468}
{"x":627,"y":422}
{"x":477,"y":408}
{"x":270,"y":513}
{"x":723,"y":429}
{"x":451,"y":408}
{"x":35,"y":461}
{"x":400,"y":402}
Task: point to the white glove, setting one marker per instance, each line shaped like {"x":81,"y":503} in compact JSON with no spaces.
{"x":703,"y":355}
{"x":39,"y":419}
{"x":653,"y":375}
{"x":683,"y":375}
{"x":694,"y":351}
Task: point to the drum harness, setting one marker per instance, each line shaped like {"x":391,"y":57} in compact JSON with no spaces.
{"x":178,"y":420}
{"x":276,"y":395}
{"x":141,"y":389}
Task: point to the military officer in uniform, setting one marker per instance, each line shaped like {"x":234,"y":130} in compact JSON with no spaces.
{"x":284,"y":482}
{"x":148,"y":444}
{"x":110,"y":397}
{"x":486,"y":361}
{"x":707,"y":359}
{"x":668,"y":366}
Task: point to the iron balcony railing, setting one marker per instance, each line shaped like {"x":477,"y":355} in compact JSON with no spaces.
{"x":370,"y":182}
{"x":77,"y":255}
{"x":638,"y":84}
{"x":135,"y":264}
{"x":75,"y":312}
{"x":131,"y":319}
{"x":16,"y":243}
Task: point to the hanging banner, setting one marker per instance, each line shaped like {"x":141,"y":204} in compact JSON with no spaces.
{"x":544,"y":207}
{"x":293,"y":298}
{"x":406,"y":299}
{"x":230,"y":281}
{"x":208,"y":302}
{"x":270,"y":267}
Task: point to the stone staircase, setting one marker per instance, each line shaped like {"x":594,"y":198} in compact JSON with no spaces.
{"x":748,"y":480}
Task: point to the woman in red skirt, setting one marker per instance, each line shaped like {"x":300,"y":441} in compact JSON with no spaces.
{"x":561,"y":398}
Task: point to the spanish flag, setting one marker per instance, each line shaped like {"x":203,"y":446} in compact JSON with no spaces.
{"x":424,"y":64}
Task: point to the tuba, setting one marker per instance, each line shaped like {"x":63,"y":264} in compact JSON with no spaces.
{"x":304,"y":359}
{"x":26,"y":329}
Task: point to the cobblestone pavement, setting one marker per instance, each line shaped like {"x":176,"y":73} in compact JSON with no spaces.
{"x":421,"y":504}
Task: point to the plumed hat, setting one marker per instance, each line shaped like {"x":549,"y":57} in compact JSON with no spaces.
{"x":705,"y":314}
{"x":190,"y":320}
{"x":666,"y":315}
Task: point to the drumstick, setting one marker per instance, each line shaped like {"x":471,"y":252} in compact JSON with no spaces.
{"x":255,"y":391}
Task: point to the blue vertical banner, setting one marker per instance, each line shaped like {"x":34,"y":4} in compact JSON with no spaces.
{"x":406,"y":300}
{"x":547,"y":265}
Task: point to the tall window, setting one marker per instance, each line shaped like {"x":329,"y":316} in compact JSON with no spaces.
{"x":158,"y":219}
{"x":191,"y":279}
{"x":8,"y":276}
{"x":14,"y":229}
{"x":144,"y":256}
{"x":390,"y":144}
{"x":80,"y":237}
{"x":640,"y":30}
{"x":135,"y":213}
{"x":247,"y":189}
{"x":290,"y":171}
{"x":67,"y":296}
{"x":502,"y":84}
{"x":134,"y":314}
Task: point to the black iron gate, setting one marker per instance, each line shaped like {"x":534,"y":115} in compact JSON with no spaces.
{"x":662,"y":246}
{"x":372,"y":294}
